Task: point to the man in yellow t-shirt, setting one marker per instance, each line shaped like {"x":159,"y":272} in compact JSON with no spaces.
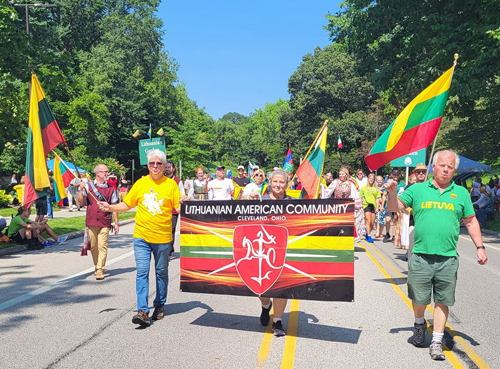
{"x":155,"y":196}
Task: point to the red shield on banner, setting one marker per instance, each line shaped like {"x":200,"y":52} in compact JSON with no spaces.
{"x":259,"y":254}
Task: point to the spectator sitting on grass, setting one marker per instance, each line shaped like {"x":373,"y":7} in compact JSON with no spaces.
{"x":484,"y":210}
{"x":22,"y":230}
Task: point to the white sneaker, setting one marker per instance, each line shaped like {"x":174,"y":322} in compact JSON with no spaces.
{"x":62,"y":239}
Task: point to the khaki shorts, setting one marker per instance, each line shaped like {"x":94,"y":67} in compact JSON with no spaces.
{"x":432,"y":274}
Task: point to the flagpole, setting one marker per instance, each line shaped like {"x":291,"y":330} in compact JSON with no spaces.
{"x":76,"y":168}
{"x":435,"y":138}
{"x":308,"y":151}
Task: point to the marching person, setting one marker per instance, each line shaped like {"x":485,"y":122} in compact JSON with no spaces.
{"x":72,"y":191}
{"x":196,"y":190}
{"x":438,"y":206}
{"x":241,"y":180}
{"x":155,"y":196}
{"x":370,"y":194}
{"x":278,"y":182}
{"x":98,"y":222}
{"x":255,"y":189}
{"x":220,"y":188}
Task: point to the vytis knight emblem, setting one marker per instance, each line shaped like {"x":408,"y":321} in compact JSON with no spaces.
{"x":259,"y":253}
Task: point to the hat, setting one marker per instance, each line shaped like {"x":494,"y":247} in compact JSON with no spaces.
{"x":420,"y":166}
{"x":276,"y":168}
{"x":395,"y":171}
{"x":255,"y":167}
{"x":241,"y":167}
{"x":219,"y":167}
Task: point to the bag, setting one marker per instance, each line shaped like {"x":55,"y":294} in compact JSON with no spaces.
{"x":4,"y":238}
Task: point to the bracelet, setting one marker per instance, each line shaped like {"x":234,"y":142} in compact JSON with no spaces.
{"x":480,"y":247}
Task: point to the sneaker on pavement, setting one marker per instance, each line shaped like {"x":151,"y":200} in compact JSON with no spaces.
{"x":99,"y":274}
{"x":47,"y":244}
{"x":159,"y":313}
{"x":62,"y":239}
{"x":436,"y":351}
{"x":141,"y":318}
{"x":368,"y":238}
{"x":278,"y":329}
{"x":264,"y":315}
{"x":418,"y":338}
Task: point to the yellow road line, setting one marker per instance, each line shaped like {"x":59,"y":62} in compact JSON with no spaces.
{"x":456,"y":336}
{"x":266,"y":344}
{"x":291,"y":337}
{"x":452,"y":358}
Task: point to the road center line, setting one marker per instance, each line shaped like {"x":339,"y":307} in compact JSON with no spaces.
{"x":8,"y":304}
{"x":449,"y":354}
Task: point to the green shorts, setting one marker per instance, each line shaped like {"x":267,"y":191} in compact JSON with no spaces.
{"x":432,"y":273}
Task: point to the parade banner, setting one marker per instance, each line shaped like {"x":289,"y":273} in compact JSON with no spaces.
{"x":297,"y":249}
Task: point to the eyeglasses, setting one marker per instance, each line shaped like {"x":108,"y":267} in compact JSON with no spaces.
{"x":104,"y":171}
{"x":258,"y":175}
{"x":420,"y":171}
{"x":157,"y":163}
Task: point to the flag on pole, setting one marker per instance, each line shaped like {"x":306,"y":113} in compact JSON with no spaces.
{"x":136,"y":133}
{"x":339,"y":143}
{"x":149,"y":132}
{"x":62,"y":177}
{"x":309,"y":172}
{"x":416,"y":127}
{"x":288,"y":164}
{"x":160,"y":132}
{"x":44,"y":135}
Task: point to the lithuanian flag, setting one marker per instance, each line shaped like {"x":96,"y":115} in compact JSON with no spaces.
{"x":309,"y":172}
{"x":160,"y":132}
{"x":62,"y":177}
{"x":43,"y":136}
{"x":136,"y":133}
{"x":416,"y":127}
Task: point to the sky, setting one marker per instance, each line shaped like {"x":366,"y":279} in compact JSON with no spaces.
{"x":237,"y":56}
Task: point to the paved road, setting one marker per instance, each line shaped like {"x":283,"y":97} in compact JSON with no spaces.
{"x":54,"y":314}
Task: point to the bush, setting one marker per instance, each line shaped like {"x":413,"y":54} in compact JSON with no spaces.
{"x":5,"y":199}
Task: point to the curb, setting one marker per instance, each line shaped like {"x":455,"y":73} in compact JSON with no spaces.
{"x":490,"y":232}
{"x":71,"y":235}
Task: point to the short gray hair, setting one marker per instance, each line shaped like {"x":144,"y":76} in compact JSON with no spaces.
{"x":436,"y":155}
{"x":157,"y":153}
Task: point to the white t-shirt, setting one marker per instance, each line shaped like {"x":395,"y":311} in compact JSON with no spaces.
{"x":249,"y":188}
{"x":220,"y":190}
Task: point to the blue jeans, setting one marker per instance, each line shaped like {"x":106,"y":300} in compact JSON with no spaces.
{"x":50,"y":210}
{"x":142,"y":252}
{"x":3,"y":223}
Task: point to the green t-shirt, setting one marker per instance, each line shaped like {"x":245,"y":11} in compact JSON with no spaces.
{"x":370,"y":196}
{"x":14,"y":225}
{"x":437,"y":216}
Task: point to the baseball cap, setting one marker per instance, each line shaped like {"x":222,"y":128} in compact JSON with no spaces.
{"x":420,"y":166}
{"x":255,"y":167}
{"x":395,"y":171}
{"x":276,"y":168}
{"x":241,"y":167}
{"x":220,"y":167}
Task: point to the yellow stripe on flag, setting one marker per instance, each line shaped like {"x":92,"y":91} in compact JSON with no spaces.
{"x":40,"y":175}
{"x":57,"y":175}
{"x":441,"y":85}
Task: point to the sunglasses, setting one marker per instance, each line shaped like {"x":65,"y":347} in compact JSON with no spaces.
{"x":157,"y":163}
{"x":258,"y":175}
{"x":420,"y":171}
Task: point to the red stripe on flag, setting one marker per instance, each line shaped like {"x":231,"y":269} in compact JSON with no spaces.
{"x":414,"y":139}
{"x":30,"y":194}
{"x":309,"y":178}
{"x":52,"y":136}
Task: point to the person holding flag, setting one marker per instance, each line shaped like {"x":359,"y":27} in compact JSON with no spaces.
{"x":98,"y":222}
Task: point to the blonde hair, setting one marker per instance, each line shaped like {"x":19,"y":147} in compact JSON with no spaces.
{"x":259,"y":171}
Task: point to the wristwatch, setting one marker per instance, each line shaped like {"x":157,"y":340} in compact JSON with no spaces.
{"x":480,"y":247}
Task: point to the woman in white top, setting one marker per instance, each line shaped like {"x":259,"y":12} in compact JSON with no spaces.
{"x":253,"y":190}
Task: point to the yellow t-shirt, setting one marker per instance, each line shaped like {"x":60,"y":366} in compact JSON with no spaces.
{"x":154,"y":201}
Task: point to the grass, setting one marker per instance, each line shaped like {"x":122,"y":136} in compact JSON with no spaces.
{"x":67,"y":225}
{"x":8,"y":212}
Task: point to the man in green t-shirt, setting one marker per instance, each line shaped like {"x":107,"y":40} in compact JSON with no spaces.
{"x":438,"y":207}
